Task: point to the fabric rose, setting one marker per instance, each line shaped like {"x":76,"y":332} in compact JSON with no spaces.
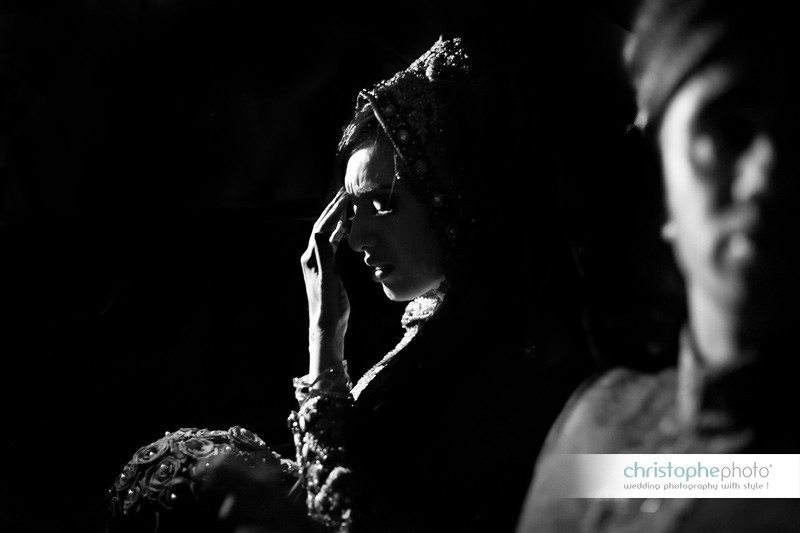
{"x":216,"y":436}
{"x":126,"y":478}
{"x":132,"y":499}
{"x":161,"y":474}
{"x":150,"y":453}
{"x":197,"y":447}
{"x":245,"y":438}
{"x":178,"y":491}
{"x":166,"y":474}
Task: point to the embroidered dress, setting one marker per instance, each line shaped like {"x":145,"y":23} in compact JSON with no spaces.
{"x":443,"y":432}
{"x":320,"y":425}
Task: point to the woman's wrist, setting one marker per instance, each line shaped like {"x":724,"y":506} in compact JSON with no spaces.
{"x":325,"y":348}
{"x":332,"y":381}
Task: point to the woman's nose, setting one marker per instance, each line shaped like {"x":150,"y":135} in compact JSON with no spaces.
{"x":755,"y":169}
{"x":362,"y":234}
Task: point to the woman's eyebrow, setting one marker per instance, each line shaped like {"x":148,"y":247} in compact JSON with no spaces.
{"x":361,"y":192}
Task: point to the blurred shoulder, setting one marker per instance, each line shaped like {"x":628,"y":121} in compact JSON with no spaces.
{"x":608,"y":412}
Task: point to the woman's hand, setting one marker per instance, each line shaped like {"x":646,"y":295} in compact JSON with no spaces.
{"x":328,"y":305}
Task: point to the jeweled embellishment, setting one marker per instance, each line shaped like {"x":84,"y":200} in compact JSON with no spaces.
{"x":412,"y":108}
{"x":165,"y":472}
{"x":417,"y":311}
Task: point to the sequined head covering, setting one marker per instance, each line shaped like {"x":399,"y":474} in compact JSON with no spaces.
{"x":433,"y":116}
{"x":673,"y":39}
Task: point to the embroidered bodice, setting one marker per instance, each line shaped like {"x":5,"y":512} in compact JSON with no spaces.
{"x":320,"y":425}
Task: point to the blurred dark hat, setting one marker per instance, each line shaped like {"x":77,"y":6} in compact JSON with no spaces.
{"x":673,"y":39}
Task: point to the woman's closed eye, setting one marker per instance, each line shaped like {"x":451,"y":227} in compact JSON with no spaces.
{"x":382,"y":206}
{"x":378,"y":205}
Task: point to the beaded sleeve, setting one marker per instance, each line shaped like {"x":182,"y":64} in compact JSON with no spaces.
{"x":320,"y":428}
{"x":321,"y":425}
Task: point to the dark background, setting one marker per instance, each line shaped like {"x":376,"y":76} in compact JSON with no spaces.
{"x":161,"y":164}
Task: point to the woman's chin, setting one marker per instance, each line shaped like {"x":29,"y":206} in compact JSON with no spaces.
{"x":399,"y":293}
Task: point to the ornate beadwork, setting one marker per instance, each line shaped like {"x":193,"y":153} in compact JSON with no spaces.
{"x":426,"y":111}
{"x":319,"y":427}
{"x":370,"y":374}
{"x":417,"y":312}
{"x":165,"y":474}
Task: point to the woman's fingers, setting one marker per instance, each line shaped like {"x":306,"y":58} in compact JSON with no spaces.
{"x":308,"y":260}
{"x":330,"y":205}
{"x":339,"y":231}
{"x":327,"y":222}
{"x":329,"y":229}
{"x":323,"y":253}
{"x":330,"y":208}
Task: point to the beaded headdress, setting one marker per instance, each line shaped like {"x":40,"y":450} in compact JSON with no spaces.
{"x":430,"y":111}
{"x":165,"y":475}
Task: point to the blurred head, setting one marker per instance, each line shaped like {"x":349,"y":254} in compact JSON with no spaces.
{"x":388,"y":224}
{"x":716,"y":92}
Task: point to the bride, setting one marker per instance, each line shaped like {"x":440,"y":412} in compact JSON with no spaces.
{"x":442,"y":433}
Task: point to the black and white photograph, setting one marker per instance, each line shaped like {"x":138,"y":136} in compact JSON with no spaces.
{"x":366,"y":267}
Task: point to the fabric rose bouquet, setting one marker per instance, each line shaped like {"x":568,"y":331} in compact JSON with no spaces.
{"x":164,"y":479}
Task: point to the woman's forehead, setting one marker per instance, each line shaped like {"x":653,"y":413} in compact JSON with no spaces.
{"x":369,"y":168}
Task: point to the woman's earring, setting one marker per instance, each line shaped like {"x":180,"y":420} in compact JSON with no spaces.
{"x":669,"y":231}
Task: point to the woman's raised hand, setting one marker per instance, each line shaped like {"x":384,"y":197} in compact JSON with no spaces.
{"x":328,"y":304}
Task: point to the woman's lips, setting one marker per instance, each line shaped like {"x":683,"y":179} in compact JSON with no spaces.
{"x":380,"y":273}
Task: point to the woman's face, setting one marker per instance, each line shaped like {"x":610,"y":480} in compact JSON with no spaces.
{"x":391,"y":226}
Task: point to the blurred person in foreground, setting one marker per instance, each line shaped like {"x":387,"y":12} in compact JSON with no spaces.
{"x":717,"y":85}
